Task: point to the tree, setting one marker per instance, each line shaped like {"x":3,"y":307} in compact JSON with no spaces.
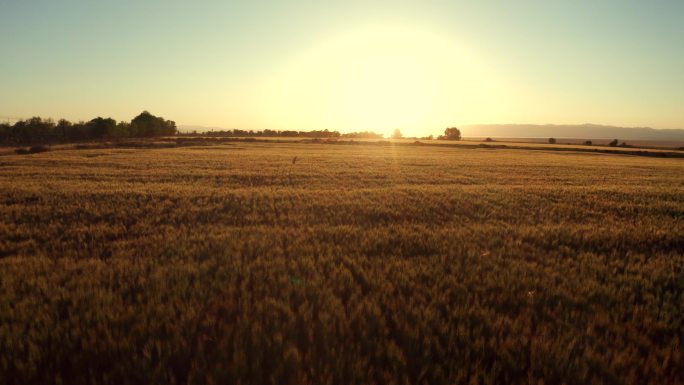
{"x":100,"y":127}
{"x":43,"y":131}
{"x":77,"y":131}
{"x":147,"y":124}
{"x":552,"y":140}
{"x":5,"y":132}
{"x":34,"y":130}
{"x":63,"y":127}
{"x":397,"y":134}
{"x":588,"y":143}
{"x":122,"y":130}
{"x":362,"y":135}
{"x":451,"y":133}
{"x":613,"y":143}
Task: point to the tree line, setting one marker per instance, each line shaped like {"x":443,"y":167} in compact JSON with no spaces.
{"x":612,"y":143}
{"x":39,"y":131}
{"x":46,"y":131}
{"x":289,"y":134}
{"x":450,"y":133}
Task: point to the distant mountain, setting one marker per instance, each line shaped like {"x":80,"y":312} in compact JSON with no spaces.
{"x":581,"y":131}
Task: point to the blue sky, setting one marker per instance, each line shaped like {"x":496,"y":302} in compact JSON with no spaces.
{"x":415,"y":65}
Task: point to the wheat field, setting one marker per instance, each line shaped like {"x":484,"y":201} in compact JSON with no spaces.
{"x":309,"y":263}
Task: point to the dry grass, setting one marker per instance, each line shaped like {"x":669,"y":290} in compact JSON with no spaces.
{"x":643,"y":143}
{"x":354,"y":264}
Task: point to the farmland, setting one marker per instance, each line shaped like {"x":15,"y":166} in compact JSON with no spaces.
{"x":258,"y":263}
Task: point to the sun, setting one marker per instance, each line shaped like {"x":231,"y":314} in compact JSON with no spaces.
{"x":380,"y":78}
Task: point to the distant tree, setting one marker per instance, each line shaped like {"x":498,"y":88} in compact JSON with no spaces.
{"x":63,"y":127}
{"x":397,"y":134}
{"x":320,"y":134}
{"x":122,"y":130}
{"x":5,"y":129}
{"x":148,"y":125}
{"x":489,"y":140}
{"x":34,"y":130}
{"x":76,"y":131}
{"x":613,"y":143}
{"x":552,"y":140}
{"x":588,"y":143}
{"x":100,"y":128}
{"x":44,"y":131}
{"x":362,"y":135}
{"x":451,"y":133}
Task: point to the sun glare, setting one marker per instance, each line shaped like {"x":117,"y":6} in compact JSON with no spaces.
{"x":380,"y":78}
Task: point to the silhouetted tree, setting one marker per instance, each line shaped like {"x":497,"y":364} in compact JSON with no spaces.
{"x":552,"y":140}
{"x":396,"y":134}
{"x":451,"y":133}
{"x":362,"y":135}
{"x":62,"y":128}
{"x":147,"y":125}
{"x":5,"y":132}
{"x":44,"y":131}
{"x":588,"y":143}
{"x":121,"y":130}
{"x":34,"y":130}
{"x":100,"y":128}
{"x":77,"y":131}
{"x":289,"y":133}
{"x":613,"y":143}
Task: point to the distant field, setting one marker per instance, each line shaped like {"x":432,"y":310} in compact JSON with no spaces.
{"x":665,"y":144}
{"x":651,"y":149}
{"x":255,"y":263}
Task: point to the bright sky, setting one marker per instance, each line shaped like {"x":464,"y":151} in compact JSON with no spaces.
{"x":347,"y":65}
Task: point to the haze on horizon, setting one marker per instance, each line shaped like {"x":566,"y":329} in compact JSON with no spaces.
{"x":347,"y":66}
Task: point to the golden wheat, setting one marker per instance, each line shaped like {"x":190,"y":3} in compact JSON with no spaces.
{"x":236,"y":263}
